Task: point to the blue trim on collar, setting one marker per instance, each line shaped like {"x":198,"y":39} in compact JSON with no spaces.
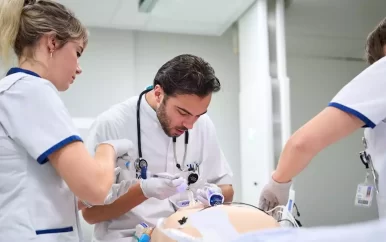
{"x":14,"y":70}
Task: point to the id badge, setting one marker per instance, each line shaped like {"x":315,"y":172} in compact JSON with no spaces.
{"x":364,"y":195}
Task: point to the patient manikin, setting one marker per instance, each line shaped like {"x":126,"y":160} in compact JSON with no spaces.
{"x":224,"y":222}
{"x":373,"y":231}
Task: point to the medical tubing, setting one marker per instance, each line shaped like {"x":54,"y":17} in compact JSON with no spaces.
{"x":297,"y":210}
{"x":178,"y":165}
{"x":175,"y":155}
{"x":287,"y":220}
{"x":291,"y":219}
{"x":186,"y":146}
{"x":239,"y":203}
{"x":139,"y":124}
{"x":285,"y":209}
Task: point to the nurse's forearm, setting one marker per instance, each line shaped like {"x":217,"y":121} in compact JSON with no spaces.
{"x":73,"y":161}
{"x":227,"y":192}
{"x":293,"y":160}
{"x":122,"y":205}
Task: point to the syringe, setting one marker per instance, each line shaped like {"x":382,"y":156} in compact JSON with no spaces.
{"x":192,"y":202}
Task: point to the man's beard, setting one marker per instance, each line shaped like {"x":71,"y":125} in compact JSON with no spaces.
{"x":164,"y":120}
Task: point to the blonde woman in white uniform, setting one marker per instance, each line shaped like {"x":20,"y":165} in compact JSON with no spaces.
{"x":361,"y":103}
{"x":44,"y":165}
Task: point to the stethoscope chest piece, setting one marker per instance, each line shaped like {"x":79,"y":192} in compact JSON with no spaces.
{"x":140,"y":166}
{"x":192,"y":178}
{"x":140,"y":163}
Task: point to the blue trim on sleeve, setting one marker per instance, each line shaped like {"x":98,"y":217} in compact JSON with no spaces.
{"x":366,"y":120}
{"x":55,"y":231}
{"x":43,"y":158}
{"x":14,"y":70}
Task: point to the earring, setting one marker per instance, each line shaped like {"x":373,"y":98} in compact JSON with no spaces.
{"x":51,"y":53}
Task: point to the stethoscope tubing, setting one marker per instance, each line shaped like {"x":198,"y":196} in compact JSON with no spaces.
{"x":139,"y":144}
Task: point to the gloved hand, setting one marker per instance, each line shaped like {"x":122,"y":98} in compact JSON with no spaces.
{"x":162,"y":188}
{"x":202,"y":193}
{"x":124,"y":148}
{"x":116,"y":190}
{"x":274,"y":194}
{"x":183,"y":199}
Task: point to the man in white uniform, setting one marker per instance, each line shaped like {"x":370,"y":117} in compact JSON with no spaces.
{"x":176,"y":106}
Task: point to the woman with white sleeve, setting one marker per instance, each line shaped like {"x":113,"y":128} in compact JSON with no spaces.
{"x":44,"y":165}
{"x":361,"y":103}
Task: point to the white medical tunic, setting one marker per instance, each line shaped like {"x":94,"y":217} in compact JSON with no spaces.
{"x":35,"y":203}
{"x":365,"y":98}
{"x":120,"y":122}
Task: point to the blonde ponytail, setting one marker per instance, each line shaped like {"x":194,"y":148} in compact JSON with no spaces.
{"x":10,"y":14}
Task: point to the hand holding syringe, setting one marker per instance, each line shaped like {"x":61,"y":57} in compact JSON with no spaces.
{"x":180,"y":188}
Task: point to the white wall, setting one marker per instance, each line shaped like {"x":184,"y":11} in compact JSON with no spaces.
{"x":256,"y":130}
{"x":108,"y":73}
{"x":119,"y":64}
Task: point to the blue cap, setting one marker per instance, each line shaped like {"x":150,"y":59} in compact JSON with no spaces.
{"x":216,"y":199}
{"x":144,"y":173}
{"x":144,"y":238}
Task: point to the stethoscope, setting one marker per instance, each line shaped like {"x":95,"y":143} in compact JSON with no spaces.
{"x":141,"y":164}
